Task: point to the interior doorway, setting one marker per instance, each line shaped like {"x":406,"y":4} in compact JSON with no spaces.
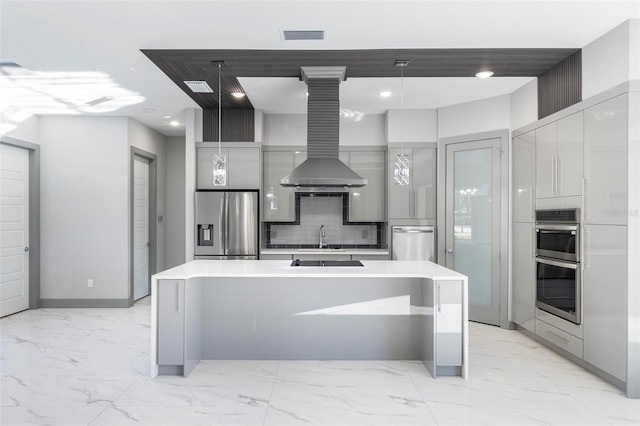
{"x":475,"y":220}
{"x":142,"y":223}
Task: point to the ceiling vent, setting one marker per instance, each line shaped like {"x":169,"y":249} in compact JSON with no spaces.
{"x":198,"y":86}
{"x":291,"y":35}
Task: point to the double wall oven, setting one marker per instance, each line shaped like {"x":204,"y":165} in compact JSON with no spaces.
{"x":558,"y":284}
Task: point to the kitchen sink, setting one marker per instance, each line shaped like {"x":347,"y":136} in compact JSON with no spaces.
{"x":319,"y":250}
{"x":299,"y":262}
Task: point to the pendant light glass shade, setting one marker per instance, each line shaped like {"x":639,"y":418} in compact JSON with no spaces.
{"x":219,"y":170}
{"x":219,"y":160}
{"x":402,"y":163}
{"x":402,"y":169}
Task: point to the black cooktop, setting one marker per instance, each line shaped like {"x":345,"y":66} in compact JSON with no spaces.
{"x":299,"y":262}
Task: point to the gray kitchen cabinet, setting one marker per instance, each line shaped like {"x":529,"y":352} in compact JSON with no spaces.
{"x":418,"y":199}
{"x":243,"y":167}
{"x":278,"y":202}
{"x":524,"y":166}
{"x":366,"y":204}
{"x":604,"y":282}
{"x":171,"y":322}
{"x":524,"y":272}
{"x":448,"y":325}
{"x":606,"y":162}
{"x":559,"y":162}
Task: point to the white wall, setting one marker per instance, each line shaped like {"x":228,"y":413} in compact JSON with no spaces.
{"x":27,"y":131}
{"x":291,"y":129}
{"x":412,"y":125}
{"x":191,"y":133}
{"x":175,"y":211}
{"x":524,"y":105}
{"x":84,"y":207}
{"x":611,"y":59}
{"x":147,"y":139}
{"x":474,"y":117}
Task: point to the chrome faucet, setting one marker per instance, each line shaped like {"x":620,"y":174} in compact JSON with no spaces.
{"x":322,"y":235}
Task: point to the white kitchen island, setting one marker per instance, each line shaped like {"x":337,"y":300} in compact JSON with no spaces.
{"x":267,"y":309}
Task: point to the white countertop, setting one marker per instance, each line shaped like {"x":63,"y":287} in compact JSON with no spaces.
{"x":283,"y":268}
{"x":356,"y":251}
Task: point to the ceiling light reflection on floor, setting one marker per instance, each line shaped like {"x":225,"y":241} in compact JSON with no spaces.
{"x":26,"y":93}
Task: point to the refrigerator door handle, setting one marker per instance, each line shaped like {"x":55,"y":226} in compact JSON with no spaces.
{"x":225,"y":223}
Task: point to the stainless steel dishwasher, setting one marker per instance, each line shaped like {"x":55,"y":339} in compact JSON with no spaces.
{"x":413,"y":243}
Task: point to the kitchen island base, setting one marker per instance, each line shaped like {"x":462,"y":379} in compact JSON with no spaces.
{"x":313,"y":315}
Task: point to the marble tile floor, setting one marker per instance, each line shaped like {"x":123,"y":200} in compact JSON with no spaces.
{"x":90,"y":367}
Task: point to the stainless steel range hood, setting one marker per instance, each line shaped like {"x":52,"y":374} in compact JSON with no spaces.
{"x":322,"y":168}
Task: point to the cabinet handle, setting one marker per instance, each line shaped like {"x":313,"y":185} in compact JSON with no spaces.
{"x":178,"y":297}
{"x":585,"y":198}
{"x":532,"y":241}
{"x":438,"y":297}
{"x":553,"y":175}
{"x":587,"y":248}
{"x":532,"y":190}
{"x":557,"y":175}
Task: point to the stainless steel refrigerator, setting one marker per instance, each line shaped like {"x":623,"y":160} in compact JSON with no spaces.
{"x":226,"y":225}
{"x":413,"y":243}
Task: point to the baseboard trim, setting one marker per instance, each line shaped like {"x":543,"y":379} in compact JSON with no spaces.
{"x":84,"y":303}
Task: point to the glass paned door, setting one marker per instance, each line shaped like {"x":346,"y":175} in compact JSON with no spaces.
{"x":473,"y":223}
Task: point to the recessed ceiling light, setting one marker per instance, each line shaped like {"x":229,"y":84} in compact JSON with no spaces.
{"x":484,"y":74}
{"x":238,"y":94}
{"x":174,"y":123}
{"x":385,"y":94}
{"x":167,"y":116}
{"x":149,"y":110}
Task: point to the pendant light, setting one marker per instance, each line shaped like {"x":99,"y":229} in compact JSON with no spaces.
{"x":219,"y":160}
{"x":402,"y":163}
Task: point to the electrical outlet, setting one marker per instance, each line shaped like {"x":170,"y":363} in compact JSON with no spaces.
{"x":365,"y":234}
{"x":90,"y":282}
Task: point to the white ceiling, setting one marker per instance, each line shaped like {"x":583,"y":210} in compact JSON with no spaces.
{"x":75,"y":38}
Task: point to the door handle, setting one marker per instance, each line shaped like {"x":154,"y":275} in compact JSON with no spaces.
{"x":449,"y":251}
{"x":26,"y":249}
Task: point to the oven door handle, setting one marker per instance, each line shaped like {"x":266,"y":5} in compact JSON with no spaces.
{"x":545,"y":228}
{"x":557,"y":263}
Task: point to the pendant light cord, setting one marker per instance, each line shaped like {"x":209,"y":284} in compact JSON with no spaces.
{"x":401,"y":109}
{"x":219,"y":112}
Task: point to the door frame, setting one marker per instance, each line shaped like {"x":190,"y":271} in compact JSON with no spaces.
{"x":153,"y":223}
{"x":505,"y":197}
{"x":34,"y":216}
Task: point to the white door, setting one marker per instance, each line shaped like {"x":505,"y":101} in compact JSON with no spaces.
{"x":473,"y":223}
{"x":140,"y":227}
{"x":14,"y":230}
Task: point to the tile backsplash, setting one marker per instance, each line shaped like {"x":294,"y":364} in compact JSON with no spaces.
{"x":318,"y":210}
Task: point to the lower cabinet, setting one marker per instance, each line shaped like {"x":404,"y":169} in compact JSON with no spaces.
{"x":448,"y":323}
{"x":560,"y":338}
{"x":171,"y":322}
{"x":604,"y":297}
{"x":524,"y":273}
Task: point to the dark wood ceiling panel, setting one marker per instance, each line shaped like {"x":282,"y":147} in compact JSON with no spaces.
{"x":182,"y":65}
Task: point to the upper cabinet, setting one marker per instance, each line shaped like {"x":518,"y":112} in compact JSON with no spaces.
{"x":366,"y":204}
{"x":418,"y":199}
{"x":524,"y":165}
{"x":606,"y":162}
{"x":279,"y":202}
{"x":558,"y":148}
{"x":242,"y":163}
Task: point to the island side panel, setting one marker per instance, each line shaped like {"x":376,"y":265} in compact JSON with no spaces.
{"x":311,"y":318}
{"x":153,"y":351}
{"x":425,"y":307}
{"x":193,"y":306}
{"x":170,"y":322}
{"x":449,"y":328}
